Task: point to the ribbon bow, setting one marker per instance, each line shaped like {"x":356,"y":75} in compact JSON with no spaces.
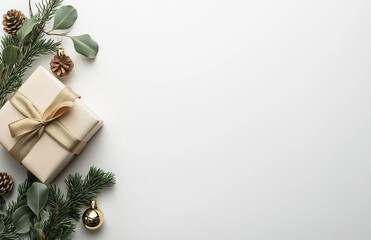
{"x":30,"y":129}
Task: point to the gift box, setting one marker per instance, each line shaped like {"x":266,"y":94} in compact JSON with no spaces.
{"x":44,"y":124}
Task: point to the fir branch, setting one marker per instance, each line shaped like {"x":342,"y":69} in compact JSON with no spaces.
{"x":8,"y":232}
{"x":8,"y":40}
{"x":64,"y":210}
{"x":41,"y":47}
{"x":37,"y":46}
{"x":80,"y":192}
{"x":21,"y":199}
{"x":46,"y":10}
{"x":2,"y":205}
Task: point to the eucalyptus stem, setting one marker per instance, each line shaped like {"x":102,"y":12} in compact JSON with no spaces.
{"x":63,"y":211}
{"x":30,"y":8}
{"x":11,"y":79}
{"x":48,"y":10}
{"x":17,"y":54}
{"x":31,"y":44}
{"x":54,"y":34}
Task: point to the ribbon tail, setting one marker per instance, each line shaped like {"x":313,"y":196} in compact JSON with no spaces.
{"x":64,"y":137}
{"x":24,"y":145}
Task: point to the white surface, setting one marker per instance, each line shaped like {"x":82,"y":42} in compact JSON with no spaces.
{"x":227,"y":119}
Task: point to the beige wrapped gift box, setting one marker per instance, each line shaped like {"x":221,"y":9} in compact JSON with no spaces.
{"x":47,"y":158}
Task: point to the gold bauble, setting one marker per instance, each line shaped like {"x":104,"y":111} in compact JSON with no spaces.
{"x":93,"y":217}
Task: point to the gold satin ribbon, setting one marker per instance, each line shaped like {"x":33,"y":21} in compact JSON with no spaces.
{"x":30,"y":129}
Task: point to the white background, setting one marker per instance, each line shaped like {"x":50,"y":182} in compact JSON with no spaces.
{"x":225,"y":120}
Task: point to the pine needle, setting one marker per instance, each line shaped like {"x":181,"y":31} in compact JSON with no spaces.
{"x":64,"y":210}
{"x":36,"y":47}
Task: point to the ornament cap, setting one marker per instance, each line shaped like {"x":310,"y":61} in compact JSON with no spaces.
{"x":94,"y":204}
{"x":60,"y":51}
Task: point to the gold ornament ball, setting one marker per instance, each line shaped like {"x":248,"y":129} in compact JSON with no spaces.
{"x":93,"y":217}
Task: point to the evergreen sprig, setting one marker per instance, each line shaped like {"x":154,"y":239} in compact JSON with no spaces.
{"x":6,"y":212}
{"x":21,"y":198}
{"x":11,"y":79}
{"x":51,"y":215}
{"x":30,"y":43}
{"x":80,"y":191}
{"x":63,"y":210}
{"x":46,"y":10}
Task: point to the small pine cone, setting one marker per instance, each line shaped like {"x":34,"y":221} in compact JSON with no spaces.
{"x":61,"y":65}
{"x":13,"y":21}
{"x":6,"y":183}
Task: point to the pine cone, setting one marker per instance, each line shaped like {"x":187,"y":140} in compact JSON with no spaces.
{"x":13,"y":21}
{"x":61,"y":65}
{"x":6,"y":183}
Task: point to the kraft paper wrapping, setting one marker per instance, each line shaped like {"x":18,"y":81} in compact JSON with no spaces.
{"x":47,"y":158}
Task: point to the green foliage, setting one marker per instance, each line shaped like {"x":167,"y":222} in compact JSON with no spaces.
{"x":21,"y":199}
{"x":39,"y":211}
{"x":65,"y":210}
{"x":10,"y":55}
{"x":35,"y":46}
{"x":24,"y":224}
{"x":19,"y":213}
{"x":37,"y":196}
{"x":37,"y":233}
{"x":46,"y":10}
{"x":8,"y":211}
{"x":57,"y":218}
{"x":85,"y":45}
{"x":1,"y":69}
{"x":65,"y":17}
{"x":31,"y":43}
{"x":14,"y":81}
{"x":2,"y":205}
{"x":10,"y":82}
{"x":2,"y":225}
{"x":26,"y":28}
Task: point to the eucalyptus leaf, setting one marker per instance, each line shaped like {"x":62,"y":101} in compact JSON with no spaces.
{"x":37,"y":233}
{"x":39,"y":225}
{"x":2,"y":225}
{"x":44,"y":215}
{"x":24,"y":224}
{"x":19,"y":213}
{"x":37,"y":196}
{"x":85,"y":45}
{"x":27,"y":39}
{"x":26,"y":28}
{"x":64,"y":17}
{"x":11,"y":55}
